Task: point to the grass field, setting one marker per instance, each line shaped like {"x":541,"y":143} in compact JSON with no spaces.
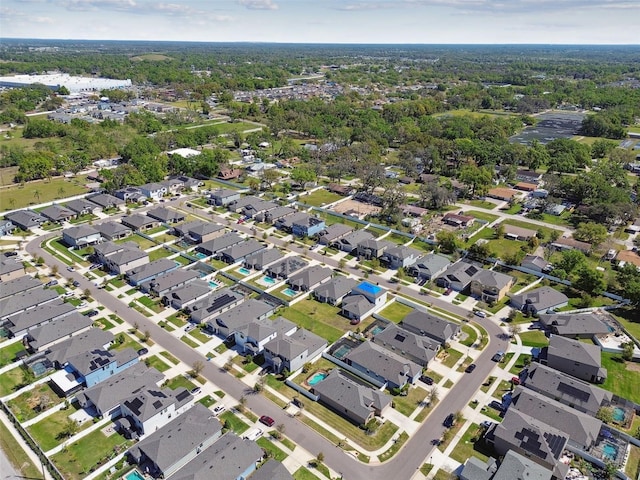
{"x":10,"y":380}
{"x":396,"y":312}
{"x":471,"y":446}
{"x":48,"y":432}
{"x":623,"y":377}
{"x":16,"y":454}
{"x":234,"y":423}
{"x":453,"y":356}
{"x":40,"y":191}
{"x":407,"y":405}
{"x":534,"y":338}
{"x":156,"y":363}
{"x":319,"y":198}
{"x":487,"y":217}
{"x":319,"y":318}
{"x":8,"y":353}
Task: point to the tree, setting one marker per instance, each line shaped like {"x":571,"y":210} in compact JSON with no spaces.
{"x":280,"y":429}
{"x":500,"y":228}
{"x":196,"y":368}
{"x":54,"y":270}
{"x":86,"y":293}
{"x":627,"y":351}
{"x":70,"y":428}
{"x":320,"y":457}
{"x":145,"y":335}
{"x":571,"y":260}
{"x":590,"y":232}
{"x":514,"y":329}
{"x":448,"y":241}
{"x":477,"y":178}
{"x":432,"y":395}
{"x":590,"y":280}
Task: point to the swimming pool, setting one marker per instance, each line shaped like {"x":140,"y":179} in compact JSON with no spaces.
{"x":243,"y":271}
{"x":317,"y":378}
{"x":289,"y":292}
{"x":134,"y":475}
{"x":341,"y":352}
{"x":610,"y":451}
{"x":618,"y":414}
{"x":377,"y":330}
{"x":369,"y":288}
{"x":201,"y":255}
{"x":214,"y":284}
{"x":268,"y":281}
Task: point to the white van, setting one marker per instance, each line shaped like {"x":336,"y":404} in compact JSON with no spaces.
{"x":254,"y":434}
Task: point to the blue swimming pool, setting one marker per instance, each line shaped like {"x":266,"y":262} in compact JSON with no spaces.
{"x":134,"y":475}
{"x":214,"y":284}
{"x":317,"y":378}
{"x":377,"y":330}
{"x":618,"y":414}
{"x":610,"y":451}
{"x":200,"y":255}
{"x":243,"y":271}
{"x":369,"y":288}
{"x":289,"y":292}
{"x":268,"y":280}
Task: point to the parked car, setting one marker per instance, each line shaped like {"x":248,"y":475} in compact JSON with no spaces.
{"x":449,"y":421}
{"x":143,"y":351}
{"x":448,"y":291}
{"x":268,"y":421}
{"x":515,"y":380}
{"x":480,"y":314}
{"x":76,"y":283}
{"x":52,"y":283}
{"x":497,"y":405}
{"x":195,"y":391}
{"x":70,"y":269}
{"x":10,"y":254}
{"x":470,"y":368}
{"x":427,"y":380}
{"x":82,"y":304}
{"x":486,"y":424}
{"x":218,"y":409}
{"x":189,"y":327}
{"x":498,"y":356}
{"x":92,"y":313}
{"x":254,"y":434}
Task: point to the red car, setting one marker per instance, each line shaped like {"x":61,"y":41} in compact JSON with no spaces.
{"x":268,"y":421}
{"x":515,"y":380}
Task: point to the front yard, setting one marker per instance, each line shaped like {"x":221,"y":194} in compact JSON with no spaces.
{"x":623,"y":377}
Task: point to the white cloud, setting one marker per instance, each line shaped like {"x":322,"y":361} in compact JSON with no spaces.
{"x":258,"y":4}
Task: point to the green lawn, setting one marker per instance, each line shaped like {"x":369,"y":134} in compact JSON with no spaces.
{"x":142,"y":242}
{"x":395,"y":447}
{"x":488,"y":217}
{"x":155,"y":362}
{"x":128,"y":343}
{"x":269,"y":446}
{"x":630,"y":320}
{"x":11,"y":380}
{"x":470,"y":445}
{"x":33,"y":402}
{"x":319,"y":198}
{"x":453,"y":356}
{"x":482,"y":204}
{"x":504,"y":247}
{"x":234,"y":423}
{"x":632,"y":468}
{"x":170,"y":357}
{"x":407,"y":405}
{"x":472,"y":336}
{"x":40,"y":191}
{"x":8,"y":353}
{"x":396,"y":312}
{"x":520,"y":364}
{"x":303,"y":474}
{"x":79,"y":458}
{"x":177,"y":319}
{"x":207,"y":401}
{"x":159,"y":253}
{"x":534,"y":338}
{"x":319,"y":318}
{"x":48,"y":432}
{"x":180,"y":381}
{"x":16,"y":455}
{"x":189,"y":342}
{"x":623,"y":377}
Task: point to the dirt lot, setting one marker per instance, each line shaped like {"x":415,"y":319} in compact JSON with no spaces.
{"x":361,"y":209}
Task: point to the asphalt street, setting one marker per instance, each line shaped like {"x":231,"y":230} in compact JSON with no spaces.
{"x":402,"y":466}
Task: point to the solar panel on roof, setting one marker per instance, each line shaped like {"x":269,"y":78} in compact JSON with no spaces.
{"x":182,"y":395}
{"x":157,"y":404}
{"x":529,"y":441}
{"x":556,"y":443}
{"x":574,"y":392}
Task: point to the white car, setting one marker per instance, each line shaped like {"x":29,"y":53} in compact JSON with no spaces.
{"x":218,"y":409}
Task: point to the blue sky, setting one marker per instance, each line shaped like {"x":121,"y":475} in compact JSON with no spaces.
{"x":328,"y":21}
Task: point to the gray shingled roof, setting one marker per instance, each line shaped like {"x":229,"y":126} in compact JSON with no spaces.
{"x":336,"y":288}
{"x":105,"y":200}
{"x":111,"y":228}
{"x":85,"y":341}
{"x":174,"y":278}
{"x":149,"y":401}
{"x":541,"y":298}
{"x":407,"y":344}
{"x":574,"y":350}
{"x":151,"y":270}
{"x":18,"y":285}
{"x":8,"y":265}
{"x":294,"y":345}
{"x":80,"y":231}
{"x":41,"y":313}
{"x":57,"y":329}
{"x":271,"y":470}
{"x":220,"y":243}
{"x":244,"y":313}
{"x":165,"y":214}
{"x":188,"y":292}
{"x":263,"y":257}
{"x":384,"y":362}
{"x":570,"y":324}
{"x":516,"y":467}
{"x":335,"y":231}
{"x":309,"y":277}
{"x":213,"y":303}
{"x":491,"y":278}
{"x":432,"y":325}
{"x":97,"y":358}
{"x":137,"y":221}
{"x":25,"y":300}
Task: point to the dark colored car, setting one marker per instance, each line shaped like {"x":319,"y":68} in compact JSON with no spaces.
{"x":470,"y":368}
{"x":498,"y":356}
{"x":449,"y":421}
{"x":497,"y":405}
{"x":10,"y":254}
{"x":427,"y":380}
{"x":268,"y":421}
{"x":76,"y":283}
{"x":92,"y":313}
{"x":143,"y":351}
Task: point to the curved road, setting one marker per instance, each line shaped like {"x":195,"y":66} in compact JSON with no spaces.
{"x":402,"y":466}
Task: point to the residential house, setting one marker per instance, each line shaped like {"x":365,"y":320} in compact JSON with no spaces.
{"x":188,"y":183}
{"x":174,"y":185}
{"x":251,"y":206}
{"x":381,"y":366}
{"x":351,"y":398}
{"x":333,"y":233}
{"x":162,"y":284}
{"x":213,"y":304}
{"x":237,"y":253}
{"x":58,"y":213}
{"x":90,"y":368}
{"x":400,"y":257}
{"x":307,"y":227}
{"x":19,"y":324}
{"x":628,"y":256}
{"x":113,"y":230}
{"x":575,"y":325}
{"x":535,"y":263}
{"x":476,"y":469}
{"x":106,"y":201}
{"x":431,"y":325}
{"x":263,"y":258}
{"x":230,"y":457}
{"x":26,"y":300}
{"x":130,"y":195}
{"x":274,"y":214}
{"x":512,"y":232}
{"x":525,"y":187}
{"x":634,"y":227}
{"x":106,"y":397}
{"x":583,"y":429}
{"x":579,"y":359}
{"x":571,"y":243}
{"x":151,"y":270}
{"x":138,"y":222}
{"x":239,"y":316}
{"x":350,"y":241}
{"x":81,"y":236}
{"x":566,"y":389}
{"x":229,"y":173}
{"x":414,"y":211}
{"x":10,"y":269}
{"x":556,"y":209}
{"x":528,"y":176}
{"x":490,"y":286}
{"x":18,"y":284}
{"x":168,"y":449}
{"x":216,"y":245}
{"x":504,"y":194}
{"x":252,"y":337}
{"x":81,"y":206}
{"x":6,"y":227}
{"x":120,"y":257}
{"x":166,"y":215}
{"x":151,"y":408}
{"x":272,"y":469}
{"x":343,"y":190}
{"x":309,"y":278}
{"x":333,"y":291}
{"x":373,"y":248}
{"x":539,"y":300}
{"x":153,"y":191}
{"x":458,"y":220}
{"x":407,"y":344}
{"x":223,"y":197}
{"x":25,"y":219}
{"x":362,"y":301}
{"x":291,"y":352}
{"x":531,"y":438}
{"x":44,"y":335}
{"x":286,"y":267}
{"x":516,"y":466}
{"x":92,"y":339}
{"x":198,"y":231}
{"x":429,"y":266}
{"x":458,"y":275}
{"x":184,"y":296}
{"x":286,"y":222}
